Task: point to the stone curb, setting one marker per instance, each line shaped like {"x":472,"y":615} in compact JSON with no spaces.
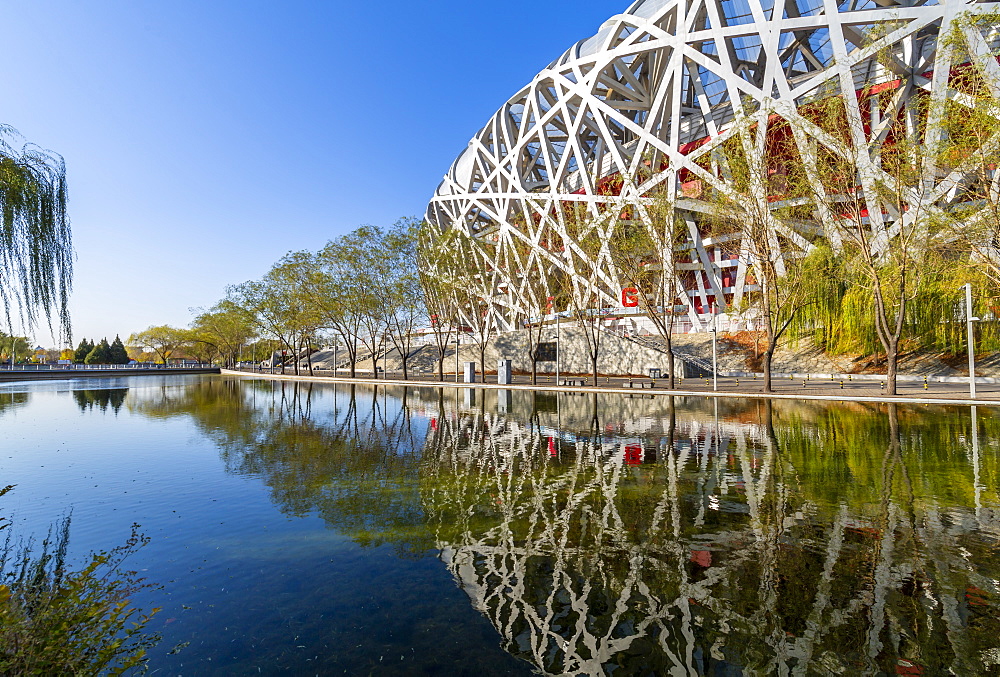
{"x":899,"y":399}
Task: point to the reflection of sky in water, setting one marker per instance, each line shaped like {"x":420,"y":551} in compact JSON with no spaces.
{"x":295,"y":528}
{"x":247,"y":585}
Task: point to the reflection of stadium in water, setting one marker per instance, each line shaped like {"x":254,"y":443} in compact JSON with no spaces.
{"x":602,"y":533}
{"x":680,"y":542}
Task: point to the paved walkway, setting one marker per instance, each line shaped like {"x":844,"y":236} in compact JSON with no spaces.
{"x":819,"y":389}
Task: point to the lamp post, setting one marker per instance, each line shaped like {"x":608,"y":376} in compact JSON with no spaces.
{"x":558,"y":345}
{"x":715,"y":351}
{"x":969,"y":319}
{"x":458,"y":343}
{"x":336,"y":346}
{"x":385,"y":356}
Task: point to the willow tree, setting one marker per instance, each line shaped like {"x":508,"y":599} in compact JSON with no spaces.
{"x":225,"y":328}
{"x":359,"y":268}
{"x":970,"y":147}
{"x":36,"y":254}
{"x":970,"y":138}
{"x":338,"y":295}
{"x":886,"y":217}
{"x":754,"y":204}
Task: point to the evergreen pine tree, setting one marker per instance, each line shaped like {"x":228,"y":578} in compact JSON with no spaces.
{"x":101,"y":354}
{"x":82,"y":351}
{"x":118,"y":353}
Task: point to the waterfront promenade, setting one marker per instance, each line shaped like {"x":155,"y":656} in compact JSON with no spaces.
{"x":853,"y":388}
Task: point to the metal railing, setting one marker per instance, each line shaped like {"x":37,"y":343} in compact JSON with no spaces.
{"x":103,"y":367}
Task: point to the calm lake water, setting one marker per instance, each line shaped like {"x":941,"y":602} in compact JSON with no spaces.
{"x":320,"y":529}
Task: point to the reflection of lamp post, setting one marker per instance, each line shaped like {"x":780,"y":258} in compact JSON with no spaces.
{"x":969,"y":319}
{"x":976,"y":487}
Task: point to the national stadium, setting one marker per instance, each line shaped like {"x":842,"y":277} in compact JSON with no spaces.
{"x":634,"y":114}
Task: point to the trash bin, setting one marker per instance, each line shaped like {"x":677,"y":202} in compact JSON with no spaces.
{"x":654,"y":373}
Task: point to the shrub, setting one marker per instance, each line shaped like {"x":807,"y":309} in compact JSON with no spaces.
{"x":56,"y":621}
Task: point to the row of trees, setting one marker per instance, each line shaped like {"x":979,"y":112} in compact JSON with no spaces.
{"x":361,"y":291}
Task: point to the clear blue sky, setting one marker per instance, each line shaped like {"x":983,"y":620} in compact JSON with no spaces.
{"x":205,"y":139}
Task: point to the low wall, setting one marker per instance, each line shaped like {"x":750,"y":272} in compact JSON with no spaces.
{"x":51,"y":374}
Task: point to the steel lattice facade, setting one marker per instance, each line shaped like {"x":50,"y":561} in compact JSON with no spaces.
{"x":671,"y":79}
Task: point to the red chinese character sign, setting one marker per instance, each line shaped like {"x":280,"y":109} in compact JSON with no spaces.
{"x":630,"y":297}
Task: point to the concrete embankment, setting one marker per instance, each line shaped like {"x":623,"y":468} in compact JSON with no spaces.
{"x":622,"y":356}
{"x":792,"y":389}
{"x":51,"y":374}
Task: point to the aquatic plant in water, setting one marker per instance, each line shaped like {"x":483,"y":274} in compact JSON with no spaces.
{"x":55,"y":621}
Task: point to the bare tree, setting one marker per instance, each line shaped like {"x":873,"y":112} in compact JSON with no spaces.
{"x":437,"y":280}
{"x":399,"y":288}
{"x":645,"y":248}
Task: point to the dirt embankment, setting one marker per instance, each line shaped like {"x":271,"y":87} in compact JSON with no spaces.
{"x":743,"y":350}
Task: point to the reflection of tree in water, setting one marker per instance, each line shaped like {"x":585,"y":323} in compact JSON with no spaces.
{"x":835,"y":544}
{"x":101,"y":399}
{"x":12,"y":401}
{"x":355,"y":463}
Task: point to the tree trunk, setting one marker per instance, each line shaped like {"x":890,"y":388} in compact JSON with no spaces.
{"x":670,"y":357}
{"x":891,"y":366}
{"x":772,"y":342}
{"x":889,"y":337}
{"x":768,"y":355}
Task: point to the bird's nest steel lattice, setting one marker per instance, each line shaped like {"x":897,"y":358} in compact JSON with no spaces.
{"x":673,"y":80}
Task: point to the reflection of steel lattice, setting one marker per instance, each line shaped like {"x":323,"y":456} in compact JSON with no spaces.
{"x":659,"y":88}
{"x":551,"y":556}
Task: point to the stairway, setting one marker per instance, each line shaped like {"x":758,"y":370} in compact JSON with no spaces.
{"x":693,"y":366}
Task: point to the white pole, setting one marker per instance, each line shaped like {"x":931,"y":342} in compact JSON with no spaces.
{"x":715,"y":353}
{"x":969,"y":319}
{"x":558,"y":348}
{"x":458,"y":342}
